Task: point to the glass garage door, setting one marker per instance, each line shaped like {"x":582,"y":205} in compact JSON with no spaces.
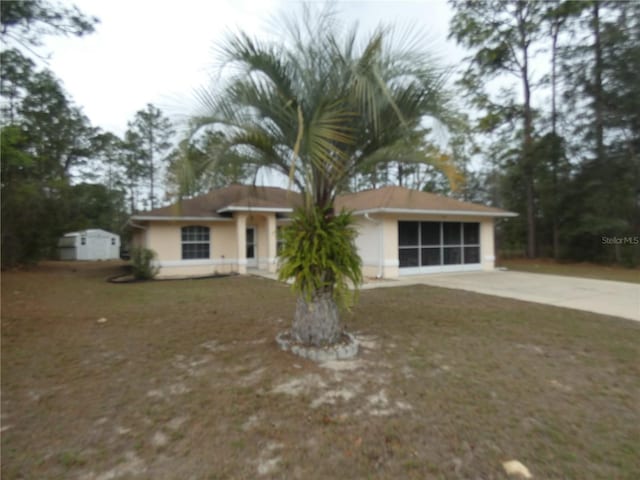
{"x":425,"y":247}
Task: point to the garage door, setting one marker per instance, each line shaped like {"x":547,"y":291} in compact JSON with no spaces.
{"x":431,"y":247}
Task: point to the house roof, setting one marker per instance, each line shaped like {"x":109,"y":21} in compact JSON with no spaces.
{"x":216,"y":204}
{"x":404,"y":200}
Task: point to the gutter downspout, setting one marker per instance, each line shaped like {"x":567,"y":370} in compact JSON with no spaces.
{"x":380,"y":244}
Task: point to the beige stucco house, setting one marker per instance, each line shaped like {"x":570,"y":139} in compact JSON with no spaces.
{"x":401,"y":231}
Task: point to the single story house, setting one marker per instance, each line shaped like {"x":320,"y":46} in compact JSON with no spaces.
{"x":91,"y":244}
{"x":401,"y":231}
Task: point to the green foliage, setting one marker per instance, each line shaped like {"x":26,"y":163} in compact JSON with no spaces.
{"x":24,"y":203}
{"x":133,"y":168}
{"x":601,"y":65}
{"x":16,"y":71}
{"x":91,"y":205}
{"x":50,"y":152}
{"x":47,"y":141}
{"x":571,"y":169}
{"x":60,"y":133}
{"x":501,"y":35}
{"x":148,"y":139}
{"x":142,"y":263}
{"x":199,"y":165}
{"x":26,"y":22}
{"x":322,"y":105}
{"x":320,"y":254}
{"x":36,"y":211}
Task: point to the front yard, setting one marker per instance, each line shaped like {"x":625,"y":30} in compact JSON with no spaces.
{"x":182,"y":380}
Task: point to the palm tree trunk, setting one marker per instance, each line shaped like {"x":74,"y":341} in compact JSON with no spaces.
{"x":317,"y":321}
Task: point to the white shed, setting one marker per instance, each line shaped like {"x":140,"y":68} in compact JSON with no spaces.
{"x":93,"y":244}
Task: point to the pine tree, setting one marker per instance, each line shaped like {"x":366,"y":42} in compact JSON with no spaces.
{"x":149,"y":139}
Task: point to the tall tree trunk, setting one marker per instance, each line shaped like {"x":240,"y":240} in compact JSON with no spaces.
{"x":597,"y":87}
{"x":151,"y":168}
{"x":317,"y":321}
{"x":603,"y":171}
{"x":132,"y":196}
{"x":555,"y":229}
{"x":527,"y":143}
{"x":132,"y":202}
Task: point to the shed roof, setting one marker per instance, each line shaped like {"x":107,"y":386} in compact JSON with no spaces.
{"x":90,"y":231}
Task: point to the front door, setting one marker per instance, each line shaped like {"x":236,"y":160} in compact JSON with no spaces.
{"x":251,"y":247}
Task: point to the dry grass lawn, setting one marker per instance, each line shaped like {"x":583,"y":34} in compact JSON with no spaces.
{"x":184,"y":381}
{"x":586,"y":270}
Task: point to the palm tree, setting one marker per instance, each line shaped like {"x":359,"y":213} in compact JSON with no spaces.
{"x":321,"y":106}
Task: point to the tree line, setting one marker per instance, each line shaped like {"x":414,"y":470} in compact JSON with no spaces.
{"x":544,"y":120}
{"x":560,"y":147}
{"x":59,"y":172}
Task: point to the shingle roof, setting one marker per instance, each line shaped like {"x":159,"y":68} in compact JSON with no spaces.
{"x":212,"y":204}
{"x":246,"y":197}
{"x":399,"y":199}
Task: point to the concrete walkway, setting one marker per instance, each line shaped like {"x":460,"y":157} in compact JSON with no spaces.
{"x":619,"y":299}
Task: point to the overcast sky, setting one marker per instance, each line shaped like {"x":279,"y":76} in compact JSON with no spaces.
{"x":146,"y":51}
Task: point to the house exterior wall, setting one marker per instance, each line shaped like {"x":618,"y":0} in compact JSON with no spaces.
{"x":487,"y":244}
{"x":138,"y":238}
{"x":377,"y":244}
{"x":370,"y":245}
{"x":223,"y":242}
{"x":165,"y":238}
{"x":391,"y":263}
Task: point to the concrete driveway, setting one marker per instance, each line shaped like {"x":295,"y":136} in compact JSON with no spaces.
{"x":600,"y":296}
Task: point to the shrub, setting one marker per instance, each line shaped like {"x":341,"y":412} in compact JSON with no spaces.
{"x":320,"y":254}
{"x":142,"y":262}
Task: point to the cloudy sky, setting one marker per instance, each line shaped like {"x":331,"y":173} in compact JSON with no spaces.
{"x":157,"y":51}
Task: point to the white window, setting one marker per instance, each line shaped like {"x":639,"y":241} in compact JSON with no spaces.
{"x":195,"y":242}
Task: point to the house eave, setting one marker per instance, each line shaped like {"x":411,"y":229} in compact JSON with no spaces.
{"x":232,"y":208}
{"x":458,"y":213}
{"x":178,"y":218}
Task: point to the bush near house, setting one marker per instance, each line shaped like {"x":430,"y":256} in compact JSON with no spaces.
{"x":142,"y":262}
